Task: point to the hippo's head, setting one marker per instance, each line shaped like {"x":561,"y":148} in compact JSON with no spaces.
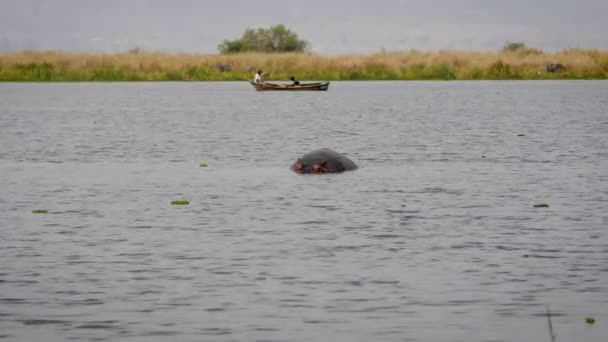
{"x":313,"y":168}
{"x":322,"y":161}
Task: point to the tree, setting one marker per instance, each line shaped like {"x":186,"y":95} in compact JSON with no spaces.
{"x":520,"y":48}
{"x":513,"y":46}
{"x":277,"y":38}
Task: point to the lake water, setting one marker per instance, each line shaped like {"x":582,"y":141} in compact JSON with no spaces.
{"x":434,"y":238}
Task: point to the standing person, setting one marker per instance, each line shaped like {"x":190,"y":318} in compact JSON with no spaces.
{"x":258,"y":77}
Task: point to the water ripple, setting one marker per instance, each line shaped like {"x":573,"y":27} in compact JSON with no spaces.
{"x":434,"y":238}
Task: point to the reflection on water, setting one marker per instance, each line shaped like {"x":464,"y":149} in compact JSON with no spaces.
{"x":434,"y":238}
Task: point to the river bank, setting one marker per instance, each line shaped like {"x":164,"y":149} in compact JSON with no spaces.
{"x":409,"y":65}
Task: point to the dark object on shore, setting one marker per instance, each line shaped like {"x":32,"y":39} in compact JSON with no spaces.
{"x":224,"y":67}
{"x":323,"y":161}
{"x":555,"y":67}
{"x":304,"y":86}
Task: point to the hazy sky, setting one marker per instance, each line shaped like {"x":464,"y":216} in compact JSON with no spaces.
{"x":331,"y":26}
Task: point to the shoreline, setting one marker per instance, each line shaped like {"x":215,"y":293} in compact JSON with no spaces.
{"x":446,"y":65}
{"x":286,"y":81}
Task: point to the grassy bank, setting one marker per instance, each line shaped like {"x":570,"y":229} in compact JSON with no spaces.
{"x":409,"y":65}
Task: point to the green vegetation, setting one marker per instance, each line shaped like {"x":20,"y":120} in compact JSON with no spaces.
{"x":520,"y":48}
{"x":275,"y":39}
{"x":590,"y":320}
{"x":40,"y":211}
{"x":180,"y":202}
{"x":203,"y":165}
{"x":513,"y":46}
{"x":139,"y":65}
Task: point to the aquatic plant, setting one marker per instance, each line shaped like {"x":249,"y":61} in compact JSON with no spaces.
{"x":180,"y":202}
{"x":550,"y":325}
{"x":40,"y":211}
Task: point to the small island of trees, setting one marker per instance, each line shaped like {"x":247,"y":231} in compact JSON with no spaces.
{"x":277,"y":38}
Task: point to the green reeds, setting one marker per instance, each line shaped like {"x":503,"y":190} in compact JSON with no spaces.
{"x":406,"y":65}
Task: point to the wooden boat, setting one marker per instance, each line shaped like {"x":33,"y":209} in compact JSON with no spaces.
{"x":304,"y":86}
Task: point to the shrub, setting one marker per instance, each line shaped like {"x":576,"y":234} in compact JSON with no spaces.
{"x":513,"y":46}
{"x":275,"y":39}
{"x":499,"y":70}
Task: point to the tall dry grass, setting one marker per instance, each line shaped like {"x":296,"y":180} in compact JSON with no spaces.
{"x":407,"y":65}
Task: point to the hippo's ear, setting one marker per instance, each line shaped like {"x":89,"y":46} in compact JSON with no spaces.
{"x":297,"y":166}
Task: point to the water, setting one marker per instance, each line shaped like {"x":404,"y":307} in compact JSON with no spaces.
{"x":433,"y":238}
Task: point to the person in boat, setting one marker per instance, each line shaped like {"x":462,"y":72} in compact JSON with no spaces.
{"x":295,"y":82}
{"x":258,"y":77}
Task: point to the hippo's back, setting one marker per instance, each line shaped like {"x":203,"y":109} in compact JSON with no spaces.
{"x":335,"y":161}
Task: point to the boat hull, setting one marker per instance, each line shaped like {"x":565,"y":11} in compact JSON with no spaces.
{"x":322,"y":86}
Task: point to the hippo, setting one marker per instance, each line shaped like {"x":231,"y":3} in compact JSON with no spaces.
{"x":323,"y":161}
{"x":555,"y":67}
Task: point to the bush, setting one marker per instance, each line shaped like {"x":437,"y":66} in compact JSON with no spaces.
{"x":520,"y":48}
{"x":513,"y":46}
{"x":499,"y":70}
{"x":275,"y":39}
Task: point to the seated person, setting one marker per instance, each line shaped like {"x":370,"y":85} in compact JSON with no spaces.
{"x":295,"y":82}
{"x":258,"y":77}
